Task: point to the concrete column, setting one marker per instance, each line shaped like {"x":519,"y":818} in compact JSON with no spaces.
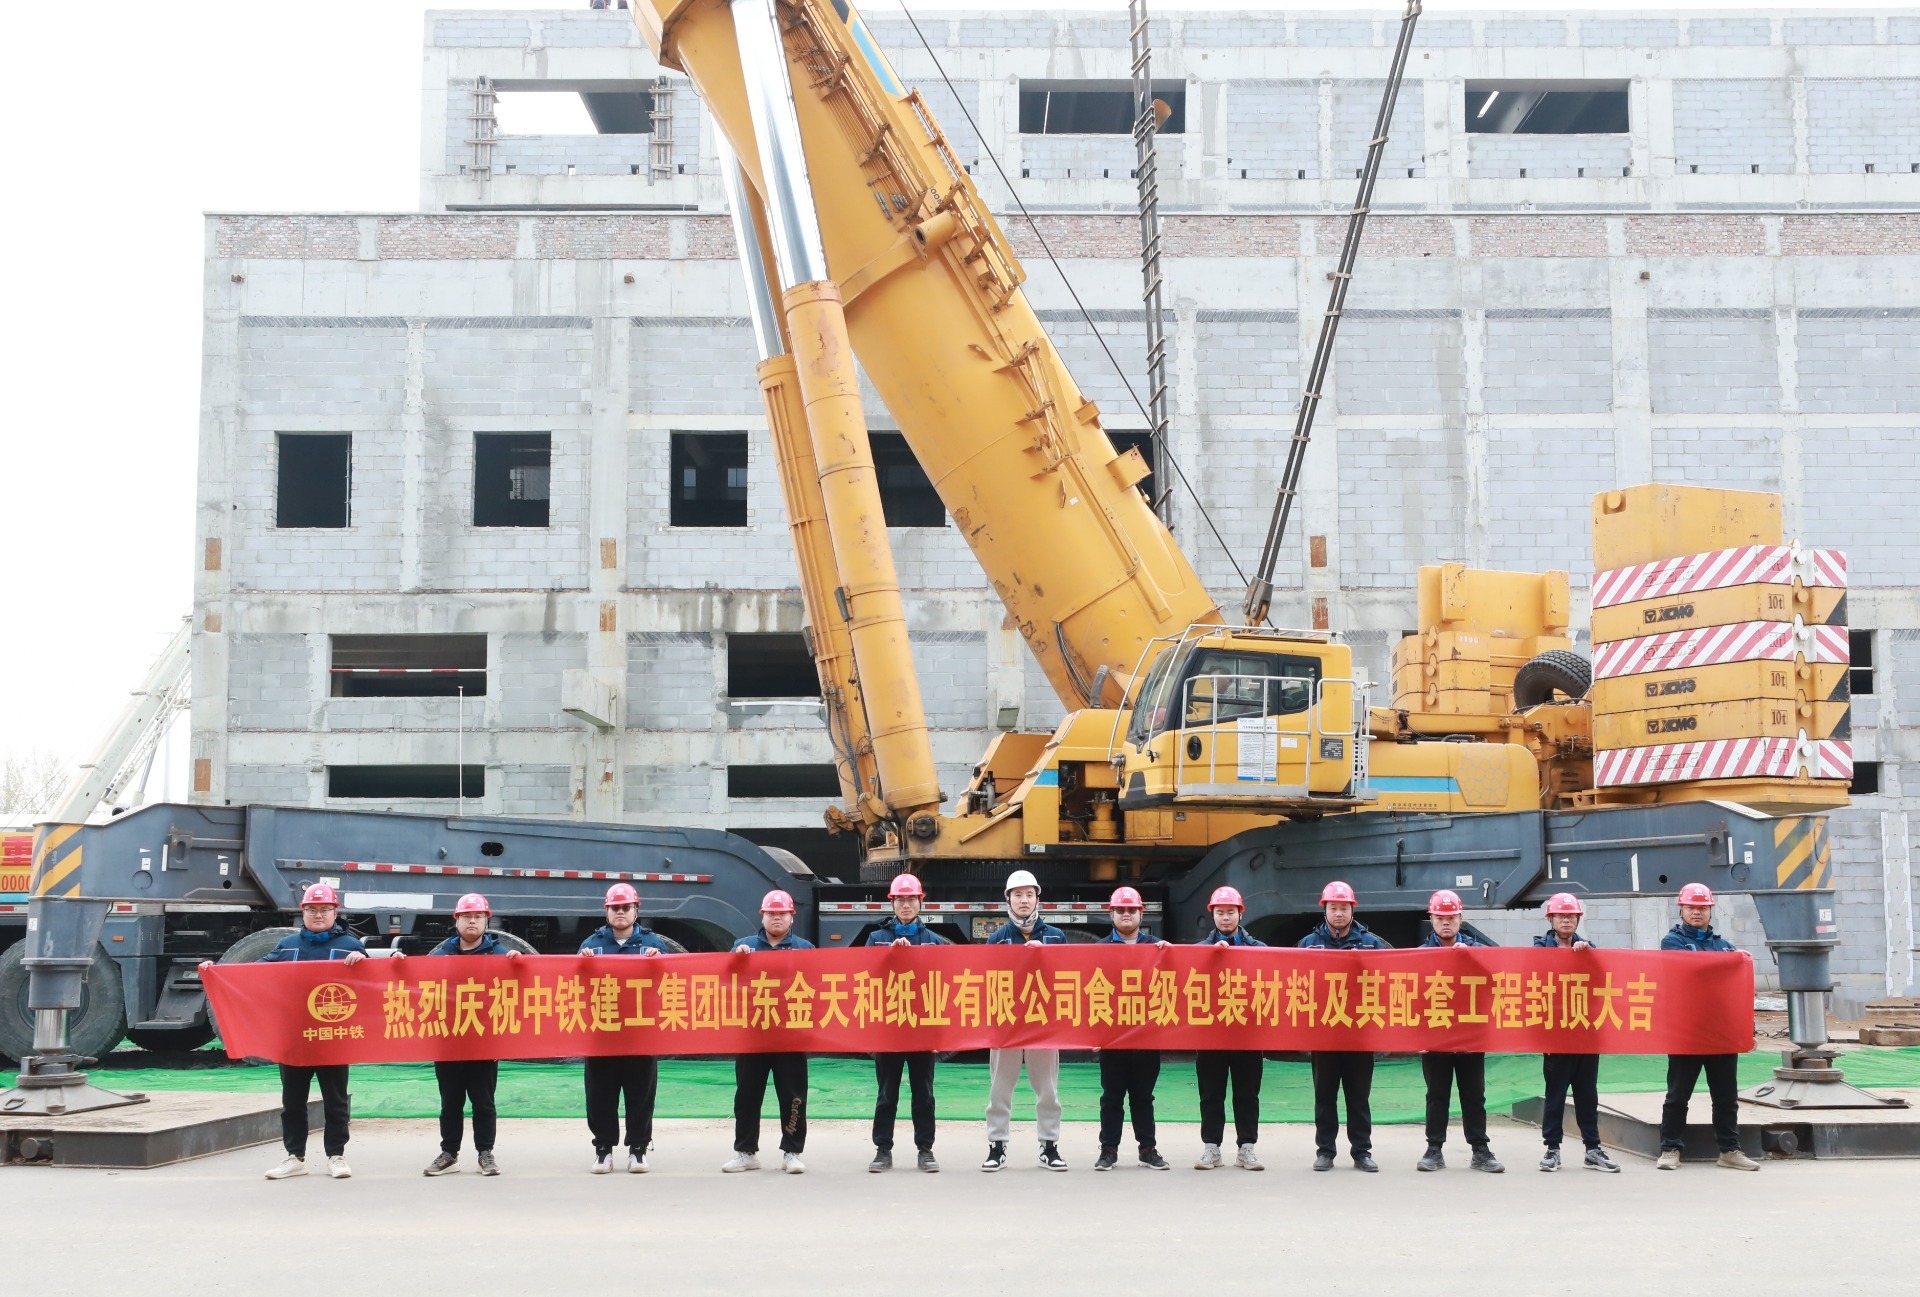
{"x":1657,"y":101}
{"x":1317,"y":508}
{"x":413,"y":455}
{"x":214,"y":531}
{"x":1786,"y":343}
{"x":1897,"y":890}
{"x":1632,"y":388}
{"x":1639,"y":122}
{"x":600,"y":790}
{"x":1325,"y":119}
{"x":1473,"y":362}
{"x":1802,"y":148}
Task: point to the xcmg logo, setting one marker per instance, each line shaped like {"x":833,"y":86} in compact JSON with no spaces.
{"x":1672,"y":612}
{"x":1663,"y":688}
{"x":1673,"y":724}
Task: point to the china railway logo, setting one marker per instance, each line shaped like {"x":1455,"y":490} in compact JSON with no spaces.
{"x":332,"y":1002}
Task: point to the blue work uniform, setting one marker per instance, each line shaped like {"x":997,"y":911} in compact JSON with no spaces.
{"x":750,"y":1073}
{"x":1444,"y":1071}
{"x":295,"y":1082}
{"x":918,"y":1065}
{"x":634,"y":1077}
{"x":1347,"y":1072}
{"x":1578,"y":1074}
{"x":469,"y":1080}
{"x":1214,"y":1069}
{"x":1683,"y":1070}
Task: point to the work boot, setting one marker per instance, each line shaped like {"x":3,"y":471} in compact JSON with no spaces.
{"x":1323,"y":1161}
{"x":925,"y":1161}
{"x":637,"y":1161}
{"x":1550,"y":1161}
{"x":487,"y":1165}
{"x":996,"y":1156}
{"x":741,"y":1162}
{"x":1597,"y":1160}
{"x":338,"y":1169}
{"x":446,"y":1164}
{"x":1050,"y":1156}
{"x":1151,"y":1159}
{"x":1669,"y":1160}
{"x":1435,"y":1160}
{"x":1484,"y":1160}
{"x":1365,"y":1162}
{"x":882,"y":1161}
{"x":602,"y":1161}
{"x":792,"y":1165}
{"x":1109,"y":1156}
{"x":288,"y":1167}
{"x":1210,"y":1159}
{"x":1734,"y":1160}
{"x":1248,"y":1160}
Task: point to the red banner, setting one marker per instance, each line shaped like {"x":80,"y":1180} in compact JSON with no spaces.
{"x":1494,"y":1000}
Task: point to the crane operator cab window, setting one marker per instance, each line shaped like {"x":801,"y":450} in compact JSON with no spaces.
{"x":1210,"y":686}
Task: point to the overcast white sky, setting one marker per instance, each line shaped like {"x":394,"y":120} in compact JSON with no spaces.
{"x":129,"y":121}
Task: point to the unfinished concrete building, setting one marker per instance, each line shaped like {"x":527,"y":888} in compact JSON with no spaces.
{"x":488,"y":521}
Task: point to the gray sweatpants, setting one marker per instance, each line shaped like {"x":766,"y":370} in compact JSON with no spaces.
{"x":1043,"y":1074}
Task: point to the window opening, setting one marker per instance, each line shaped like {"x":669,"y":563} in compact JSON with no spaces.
{"x":1551,"y":108}
{"x":408,"y":666}
{"x":907,"y":497}
{"x":820,"y":781}
{"x":768,"y":665}
{"x":709,"y":473}
{"x":315,"y":479}
{"x":1866,"y":779}
{"x":398,"y":783}
{"x":1860,"y":663}
{"x":1094,"y":107}
{"x":512,"y":472}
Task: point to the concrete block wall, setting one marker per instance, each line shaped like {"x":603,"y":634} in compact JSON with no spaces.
{"x":1729,"y":127}
{"x":1713,"y":362}
{"x":1273,"y":129}
{"x":1859,"y":361}
{"x":457,"y":554}
{"x":1852,"y":123}
{"x":271,"y":682}
{"x":671,"y":680}
{"x":953,"y":678}
{"x":1738,"y":459}
{"x":1400,"y":362}
{"x":1401,"y":505}
{"x":1861,"y":485}
{"x":1540,"y":493}
{"x":535,"y":790}
{"x":1549,"y":157}
{"x":531,"y":667}
{"x":1545,"y":362}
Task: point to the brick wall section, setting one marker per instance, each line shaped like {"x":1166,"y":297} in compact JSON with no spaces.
{"x":1859,"y":362}
{"x":1890,"y":235}
{"x":1226,"y":236}
{"x":667,"y":790}
{"x":1547,"y":156}
{"x":299,"y":238}
{"x":626,"y":238}
{"x":1542,"y":364}
{"x":694,"y":368}
{"x":1356,"y":107}
{"x":1390,"y":365}
{"x":1737,"y":459}
{"x":261,"y":785}
{"x":1861,"y":485}
{"x":670,"y":680}
{"x":535,"y":790}
{"x":1075,"y":236}
{"x":952,"y":670}
{"x":435,"y":238}
{"x":530,"y":668}
{"x":1541,"y":487}
{"x":1853,"y":123}
{"x":1713,"y":364}
{"x":1728,"y":127}
{"x":1388,"y":236}
{"x":288,"y":371}
{"x":537,"y":371}
{"x":1538,"y":236}
{"x":1695,"y":236}
{"x":1272,"y":129}
{"x":1416,"y":479}
{"x":269,"y":683}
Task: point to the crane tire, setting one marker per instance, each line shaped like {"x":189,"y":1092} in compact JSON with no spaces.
{"x":93,"y":1029}
{"x":1556,"y":671}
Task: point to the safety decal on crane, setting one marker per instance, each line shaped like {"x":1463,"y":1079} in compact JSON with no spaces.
{"x":1749,"y":641}
{"x":1754,"y":758}
{"x":1717,"y":570}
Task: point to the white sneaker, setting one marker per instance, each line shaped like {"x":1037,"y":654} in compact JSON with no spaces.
{"x":742,"y":1162}
{"x":337,"y":1168}
{"x":637,"y":1162}
{"x":1669,"y":1160}
{"x":792,"y":1165}
{"x":288,"y":1167}
{"x":602,"y":1163}
{"x":1210,"y":1159}
{"x":1248,"y":1160}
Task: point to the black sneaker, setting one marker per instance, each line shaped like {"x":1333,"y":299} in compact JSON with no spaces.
{"x":1323,"y":1161}
{"x":1597,"y":1160}
{"x":925,"y":1161}
{"x":1435,"y":1160}
{"x":1050,"y":1156}
{"x":1365,"y":1162}
{"x":882,"y":1160}
{"x":1151,"y":1159}
{"x":1108,"y":1157}
{"x":1484,"y":1160}
{"x":1550,"y":1160}
{"x":996,"y":1156}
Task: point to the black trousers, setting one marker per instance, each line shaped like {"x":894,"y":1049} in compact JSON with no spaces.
{"x":335,"y":1102}
{"x":1127,"y":1078}
{"x":1213,"y":1068}
{"x":462,"y":1083}
{"x":1334,"y":1072}
{"x":1442,"y":1072}
{"x":886,"y":1103}
{"x":1683,"y":1070}
{"x":1579,"y":1073}
{"x":789,"y":1072}
{"x":634,"y":1076}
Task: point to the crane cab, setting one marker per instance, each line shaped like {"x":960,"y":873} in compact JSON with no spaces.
{"x":1246,"y":718}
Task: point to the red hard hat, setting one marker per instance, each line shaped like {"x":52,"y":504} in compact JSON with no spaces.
{"x":1444,"y":902}
{"x":1337,"y":891}
{"x":472,"y":903}
{"x":1226,"y":896}
{"x":319,"y":894}
{"x":1565,"y":903}
{"x":1125,"y":898}
{"x":622,"y":894}
{"x":1696,"y":894}
{"x":906,"y":885}
{"x":776,"y":902}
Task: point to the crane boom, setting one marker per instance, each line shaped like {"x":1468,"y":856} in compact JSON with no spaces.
{"x":933,"y":307}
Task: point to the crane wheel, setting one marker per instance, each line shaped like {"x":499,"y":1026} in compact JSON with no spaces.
{"x":93,"y":1029}
{"x":1557,"y":671}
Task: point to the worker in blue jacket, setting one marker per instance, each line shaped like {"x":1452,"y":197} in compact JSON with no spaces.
{"x":471,"y":1079}
{"x":1695,"y":932}
{"x":1337,"y":1071}
{"x":1443,"y":1070}
{"x":1023,"y":927}
{"x":789,"y":1071}
{"x":636,"y":1077}
{"x":321,"y":936}
{"x":1214,"y":1068}
{"x":906,"y":895}
{"x":1578,"y":1073}
{"x":1127,"y":1076}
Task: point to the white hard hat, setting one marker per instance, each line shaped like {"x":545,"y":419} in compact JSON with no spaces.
{"x":1021,"y":878}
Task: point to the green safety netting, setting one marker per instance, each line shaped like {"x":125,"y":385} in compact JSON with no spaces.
{"x":842,"y":1088}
